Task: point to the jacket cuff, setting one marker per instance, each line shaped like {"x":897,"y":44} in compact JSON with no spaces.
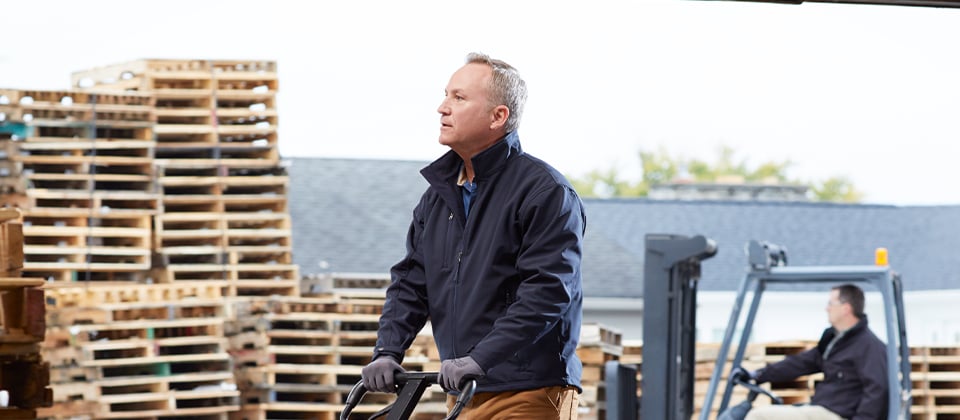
{"x":758,"y":376}
{"x":484,"y":364}
{"x":395,"y":353}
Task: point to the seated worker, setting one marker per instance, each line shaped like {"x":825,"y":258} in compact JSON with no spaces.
{"x":853,"y":361}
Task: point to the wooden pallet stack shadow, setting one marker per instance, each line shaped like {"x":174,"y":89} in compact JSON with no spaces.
{"x":24,"y":375}
{"x":223,"y":189}
{"x":82,"y":165}
{"x":139,"y":351}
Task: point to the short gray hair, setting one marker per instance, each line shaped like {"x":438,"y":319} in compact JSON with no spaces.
{"x":506,"y":87}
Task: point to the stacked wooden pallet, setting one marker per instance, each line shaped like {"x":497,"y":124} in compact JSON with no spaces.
{"x":83,"y":168}
{"x":223,"y":190}
{"x":935,"y":375}
{"x":706,"y":356}
{"x":598,"y":345}
{"x":24,"y":375}
{"x":299,"y":357}
{"x":139,"y":351}
{"x":799,"y":390}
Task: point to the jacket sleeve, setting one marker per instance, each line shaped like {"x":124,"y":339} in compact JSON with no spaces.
{"x":872,"y":370}
{"x":405,"y":309}
{"x":552,"y":224}
{"x":792,"y":366}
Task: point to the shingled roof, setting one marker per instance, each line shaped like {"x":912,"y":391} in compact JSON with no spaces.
{"x":351,"y":215}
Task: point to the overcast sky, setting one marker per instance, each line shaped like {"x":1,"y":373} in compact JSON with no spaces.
{"x":868,"y":92}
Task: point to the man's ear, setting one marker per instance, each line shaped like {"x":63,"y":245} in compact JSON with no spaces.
{"x":499,"y":116}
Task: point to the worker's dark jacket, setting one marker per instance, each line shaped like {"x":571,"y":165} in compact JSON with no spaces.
{"x":855,"y":373}
{"x":502,"y":285}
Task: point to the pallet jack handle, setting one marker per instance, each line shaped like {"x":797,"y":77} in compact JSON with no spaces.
{"x":412,"y":385}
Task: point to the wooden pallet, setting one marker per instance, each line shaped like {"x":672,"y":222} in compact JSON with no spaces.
{"x":338,"y":304}
{"x":189,"y":69}
{"x":22,"y":307}
{"x":78,"y":239}
{"x":11,"y":243}
{"x":598,"y":345}
{"x":101,"y":201}
{"x":369,"y":285}
{"x":79,"y":98}
{"x":170,"y":403}
{"x":54,"y":119}
{"x":87,"y":165}
{"x":242,"y":279}
{"x":308,"y":322}
{"x":225,"y":204}
{"x":93,"y":295}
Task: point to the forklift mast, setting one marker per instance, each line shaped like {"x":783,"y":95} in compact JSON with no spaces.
{"x":671,"y":272}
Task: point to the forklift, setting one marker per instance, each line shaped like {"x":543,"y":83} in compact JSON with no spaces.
{"x":768,"y":267}
{"x":671,"y":275}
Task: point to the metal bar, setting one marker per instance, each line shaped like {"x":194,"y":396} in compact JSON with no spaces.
{"x":906,"y":391}
{"x":409,"y":395}
{"x":745,"y":336}
{"x":724,"y":348}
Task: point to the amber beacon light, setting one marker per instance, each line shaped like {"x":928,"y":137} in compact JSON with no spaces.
{"x":881,"y":258}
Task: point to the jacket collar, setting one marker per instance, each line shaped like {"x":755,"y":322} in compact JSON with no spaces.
{"x":832,"y":332}
{"x":858,"y":327}
{"x":446,"y":169}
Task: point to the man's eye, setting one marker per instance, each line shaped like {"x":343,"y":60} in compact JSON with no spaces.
{"x":458,"y":97}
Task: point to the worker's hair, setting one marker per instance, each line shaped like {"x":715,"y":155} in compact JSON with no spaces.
{"x":851,"y":294}
{"x":506,"y":88}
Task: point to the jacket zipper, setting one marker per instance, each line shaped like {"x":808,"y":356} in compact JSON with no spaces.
{"x":456,"y":278}
{"x":456,"y":293}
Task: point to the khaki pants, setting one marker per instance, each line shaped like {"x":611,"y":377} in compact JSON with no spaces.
{"x":550,"y":403}
{"x":791,"y":412}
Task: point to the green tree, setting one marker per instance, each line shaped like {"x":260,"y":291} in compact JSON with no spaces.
{"x":660,"y":167}
{"x":836,"y":188}
{"x":606,"y":184}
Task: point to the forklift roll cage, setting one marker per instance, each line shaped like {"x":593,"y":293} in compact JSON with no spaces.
{"x":767,"y":267}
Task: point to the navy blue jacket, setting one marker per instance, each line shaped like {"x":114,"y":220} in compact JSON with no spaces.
{"x":502,"y":286}
{"x":854,"y":382}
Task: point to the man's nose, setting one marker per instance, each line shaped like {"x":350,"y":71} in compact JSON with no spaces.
{"x":444,"y":108}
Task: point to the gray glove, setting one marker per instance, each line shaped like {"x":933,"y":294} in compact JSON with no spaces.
{"x":455,"y":371}
{"x":378,"y":375}
{"x":739,"y":373}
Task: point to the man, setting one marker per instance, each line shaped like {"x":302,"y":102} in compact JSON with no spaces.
{"x":853,"y":361}
{"x":493,"y":260}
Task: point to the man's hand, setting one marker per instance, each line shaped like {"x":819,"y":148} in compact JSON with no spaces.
{"x":378,"y":375}
{"x":454,"y":371}
{"x":738,"y":373}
